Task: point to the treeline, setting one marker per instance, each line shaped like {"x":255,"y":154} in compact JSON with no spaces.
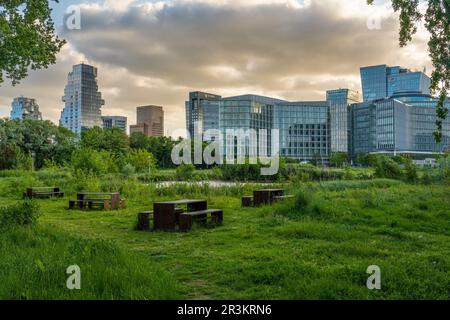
{"x":28,"y":144}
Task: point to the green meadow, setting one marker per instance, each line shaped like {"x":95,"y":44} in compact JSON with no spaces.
{"x":315,"y":246}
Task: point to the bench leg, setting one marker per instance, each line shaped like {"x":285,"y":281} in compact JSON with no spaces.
{"x":218,"y":217}
{"x":185,"y":223}
{"x":143,"y":222}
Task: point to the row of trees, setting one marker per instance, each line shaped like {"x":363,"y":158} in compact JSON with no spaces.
{"x":31,"y":144}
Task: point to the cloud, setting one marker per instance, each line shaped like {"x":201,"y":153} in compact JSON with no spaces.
{"x":156,"y":52}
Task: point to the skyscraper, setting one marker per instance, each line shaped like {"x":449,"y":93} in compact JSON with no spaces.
{"x":202,"y":113}
{"x":339,"y":101}
{"x":150,"y":121}
{"x":382,"y":81}
{"x":25,"y":108}
{"x":115,"y":122}
{"x":82,"y":100}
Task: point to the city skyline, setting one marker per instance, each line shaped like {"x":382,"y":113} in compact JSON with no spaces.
{"x":163,"y":69}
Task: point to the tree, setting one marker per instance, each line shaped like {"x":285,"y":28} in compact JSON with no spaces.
{"x":437,"y":22}
{"x":27,"y":38}
{"x":44,"y":140}
{"x":338,"y":159}
{"x":113,"y":140}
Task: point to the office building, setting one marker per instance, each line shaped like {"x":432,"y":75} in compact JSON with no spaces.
{"x":25,"y":108}
{"x":115,"y":122}
{"x":401,"y":124}
{"x":82,"y":100}
{"x":304,"y":130}
{"x":202,"y":114}
{"x":339,"y":101}
{"x":149,"y":121}
{"x":382,"y":81}
{"x":245,"y":113}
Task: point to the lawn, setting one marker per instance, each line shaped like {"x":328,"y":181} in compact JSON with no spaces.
{"x":274,"y":252}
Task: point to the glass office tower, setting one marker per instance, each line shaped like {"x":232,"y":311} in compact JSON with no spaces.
{"x":25,"y":108}
{"x":115,"y":122}
{"x":244,"y":113}
{"x":304,"y":129}
{"x":380,"y":82}
{"x":83,"y":101}
{"x":202,"y":114}
{"x":394,"y":126}
{"x":339,"y":101}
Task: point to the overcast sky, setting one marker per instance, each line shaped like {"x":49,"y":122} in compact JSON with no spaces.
{"x":155,"y":52}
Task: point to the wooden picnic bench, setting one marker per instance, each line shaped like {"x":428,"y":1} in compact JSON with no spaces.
{"x":102,"y":200}
{"x":187,"y":219}
{"x":43,"y":193}
{"x":145,"y":217}
{"x":168,"y":217}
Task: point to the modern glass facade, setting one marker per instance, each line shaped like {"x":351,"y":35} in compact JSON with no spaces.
{"x":380,"y":82}
{"x":82,"y":100}
{"x":115,"y":122}
{"x":339,"y":101}
{"x":245,"y":113}
{"x":202,"y":114}
{"x":25,"y":108}
{"x":304,"y":129}
{"x":395,"y":126}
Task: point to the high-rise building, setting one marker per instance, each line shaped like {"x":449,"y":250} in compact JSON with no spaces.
{"x":202,"y":114}
{"x":402,"y":124}
{"x":82,"y":100}
{"x":304,"y":129}
{"x":339,"y":101}
{"x":247,"y":113}
{"x":115,"y":122}
{"x":25,"y":108}
{"x":382,"y":81}
{"x":150,"y":121}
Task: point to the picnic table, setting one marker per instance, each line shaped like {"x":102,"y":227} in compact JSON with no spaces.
{"x":168,"y":217}
{"x":104,"y":200}
{"x":43,"y":192}
{"x":266,"y":196}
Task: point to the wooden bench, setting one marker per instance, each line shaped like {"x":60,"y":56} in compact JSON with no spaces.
{"x":247,"y":201}
{"x":87,"y":200}
{"x":187,"y":219}
{"x":281,"y":198}
{"x":144,"y":218}
{"x":43,"y":193}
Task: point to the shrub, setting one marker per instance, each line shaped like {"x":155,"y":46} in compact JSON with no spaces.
{"x":185,"y":171}
{"x":96,"y":162}
{"x":128,"y":170}
{"x":387,"y":168}
{"x":141,"y":160}
{"x":303,"y":199}
{"x":20,"y":214}
{"x":411,"y":172}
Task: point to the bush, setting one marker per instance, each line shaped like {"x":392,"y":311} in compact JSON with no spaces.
{"x":185,"y":171}
{"x":411,"y":172}
{"x":95,"y":162}
{"x":387,"y":168}
{"x":20,"y":214}
{"x":142,"y":160}
{"x":303,"y":199}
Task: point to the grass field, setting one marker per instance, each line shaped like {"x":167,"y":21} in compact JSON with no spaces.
{"x":317,"y":251}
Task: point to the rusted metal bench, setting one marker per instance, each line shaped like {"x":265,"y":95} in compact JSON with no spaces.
{"x":89,"y":200}
{"x":145,"y":217}
{"x":43,"y":193}
{"x":187,"y":219}
{"x":247,"y":201}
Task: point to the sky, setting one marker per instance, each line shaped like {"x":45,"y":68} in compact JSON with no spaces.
{"x":156,"y":52}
